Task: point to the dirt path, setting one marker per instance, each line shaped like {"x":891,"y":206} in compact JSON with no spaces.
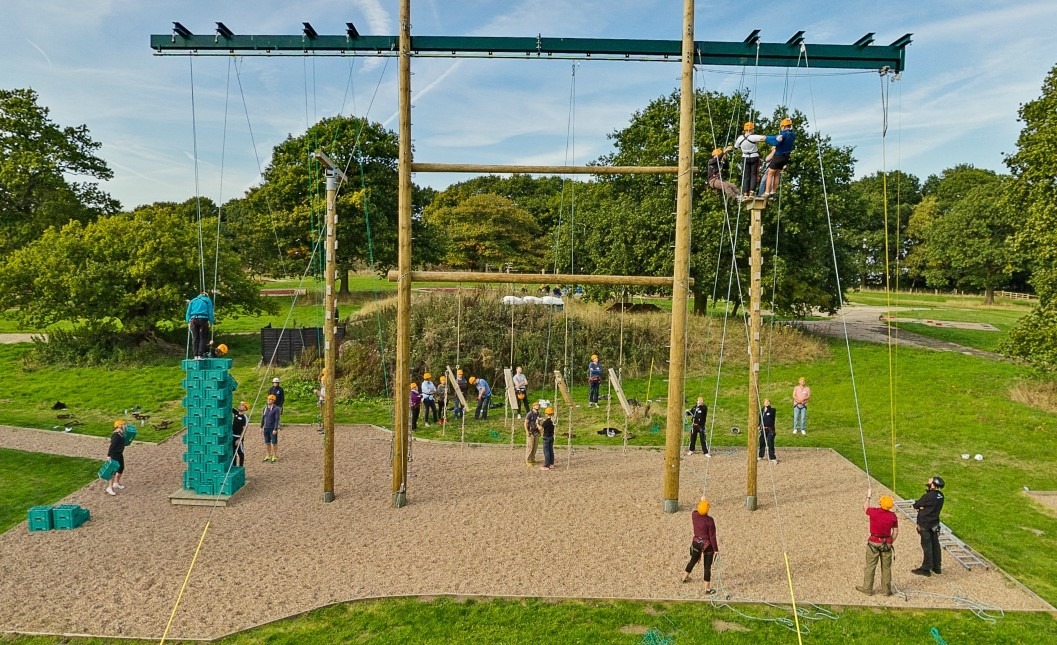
{"x":478,"y":522}
{"x":11,"y":339}
{"x":865,"y":323}
{"x":54,"y":443}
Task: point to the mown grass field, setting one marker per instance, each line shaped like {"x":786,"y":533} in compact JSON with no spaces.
{"x":919,"y":412}
{"x":29,"y":479}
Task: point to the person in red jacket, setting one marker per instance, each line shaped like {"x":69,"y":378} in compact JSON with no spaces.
{"x":884,"y":528}
{"x":704,"y":545}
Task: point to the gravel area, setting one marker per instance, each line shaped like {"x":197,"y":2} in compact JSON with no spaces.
{"x":478,"y":522}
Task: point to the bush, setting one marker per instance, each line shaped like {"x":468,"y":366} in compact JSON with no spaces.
{"x":96,"y":344}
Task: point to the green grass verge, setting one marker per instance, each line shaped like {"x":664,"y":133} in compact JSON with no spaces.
{"x":29,"y":479}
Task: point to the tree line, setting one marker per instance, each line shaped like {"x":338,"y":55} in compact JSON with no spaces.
{"x":69,"y":252}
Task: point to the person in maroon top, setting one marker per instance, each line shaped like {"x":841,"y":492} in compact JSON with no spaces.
{"x":884,"y":527}
{"x":704,"y":546}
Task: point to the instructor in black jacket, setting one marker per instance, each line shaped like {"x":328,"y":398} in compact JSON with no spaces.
{"x":928,"y":508}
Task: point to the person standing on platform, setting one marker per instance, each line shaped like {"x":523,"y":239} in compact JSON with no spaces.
{"x":767,"y":431}
{"x":698,"y":416}
{"x":704,"y":545}
{"x":116,"y":451}
{"x":532,"y":434}
{"x":484,"y":398}
{"x":415,"y":404}
{"x":429,"y":400}
{"x":521,"y":391}
{"x":884,"y":528}
{"x":928,"y":525}
{"x":594,"y":379}
{"x":801,"y":395}
{"x":548,"y":440}
{"x":779,"y":157}
{"x":239,"y":421}
{"x":199,"y":319}
{"x":270,"y":430}
{"x":750,"y":158}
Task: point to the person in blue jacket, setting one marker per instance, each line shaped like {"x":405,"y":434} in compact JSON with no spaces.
{"x":779,"y":157}
{"x":199,"y":317}
{"x":484,"y":397}
{"x":594,"y":379}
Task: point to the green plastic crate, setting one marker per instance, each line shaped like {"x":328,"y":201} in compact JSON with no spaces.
{"x":39,"y":518}
{"x":130,"y":434}
{"x":109,"y":469}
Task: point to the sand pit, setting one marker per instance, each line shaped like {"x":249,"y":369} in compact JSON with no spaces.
{"x":479,"y":522}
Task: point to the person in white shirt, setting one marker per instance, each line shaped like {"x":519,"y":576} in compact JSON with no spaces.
{"x":750,"y":158}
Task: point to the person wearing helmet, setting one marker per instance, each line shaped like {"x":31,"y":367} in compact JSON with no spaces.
{"x":718,"y":167}
{"x":484,"y":397}
{"x":704,"y":546}
{"x":116,"y":451}
{"x":442,"y":398}
{"x":779,"y":157}
{"x":415,"y":404}
{"x":239,"y":421}
{"x":270,"y":430}
{"x":750,"y":158}
{"x":521,"y":390}
{"x":532,"y":434}
{"x":217,"y":351}
{"x":429,"y":394}
{"x":928,"y":526}
{"x":199,"y":317}
{"x":594,"y":379}
{"x":548,"y":440}
{"x":279,"y":393}
{"x":884,"y":528}
{"x":464,"y":389}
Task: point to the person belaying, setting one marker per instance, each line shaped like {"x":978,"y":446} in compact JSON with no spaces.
{"x":718,"y":166}
{"x":704,"y":546}
{"x":594,"y":379}
{"x":884,"y":528}
{"x":779,"y":157}
{"x":548,"y":440}
{"x":521,"y":390}
{"x":698,"y":415}
{"x":239,"y":421}
{"x":199,"y":318}
{"x":768,"y":415}
{"x":928,"y":507}
{"x":484,"y":397}
{"x":750,"y":158}
{"x":532,"y":434}
{"x":429,"y":397}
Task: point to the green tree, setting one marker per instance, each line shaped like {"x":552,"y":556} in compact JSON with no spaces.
{"x":36,"y":156}
{"x":136,"y":269}
{"x":1034,"y":190}
{"x":883,"y":203}
{"x":487,"y":231}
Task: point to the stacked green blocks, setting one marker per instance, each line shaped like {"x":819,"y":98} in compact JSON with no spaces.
{"x":63,"y":517}
{"x":208,"y":388}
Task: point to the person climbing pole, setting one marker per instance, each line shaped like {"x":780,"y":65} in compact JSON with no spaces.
{"x":718,"y":166}
{"x":778,"y":158}
{"x":594,"y":379}
{"x":704,"y":546}
{"x":884,"y":528}
{"x":429,"y":400}
{"x":750,"y":158}
{"x":199,"y":319}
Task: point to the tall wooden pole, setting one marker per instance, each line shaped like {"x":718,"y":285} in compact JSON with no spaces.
{"x":330,"y":347}
{"x":680,"y":282}
{"x":756,"y":207}
{"x":401,"y":380}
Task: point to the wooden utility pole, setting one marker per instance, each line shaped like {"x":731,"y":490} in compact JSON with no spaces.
{"x":401,"y":381}
{"x":680,"y":283}
{"x":330,"y":347}
{"x":756,"y":207}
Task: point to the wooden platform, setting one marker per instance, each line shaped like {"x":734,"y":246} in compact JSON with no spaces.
{"x":190,"y":498}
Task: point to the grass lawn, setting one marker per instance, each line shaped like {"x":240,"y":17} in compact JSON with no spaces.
{"x":29,"y":479}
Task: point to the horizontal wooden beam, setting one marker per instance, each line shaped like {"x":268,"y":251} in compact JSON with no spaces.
{"x":535,"y":278}
{"x":543,"y":170}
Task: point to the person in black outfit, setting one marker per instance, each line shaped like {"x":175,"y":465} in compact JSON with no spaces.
{"x":548,"y":440}
{"x":767,"y":416}
{"x":238,"y":426}
{"x":116,"y":451}
{"x":928,"y":507}
{"x":697,"y":415}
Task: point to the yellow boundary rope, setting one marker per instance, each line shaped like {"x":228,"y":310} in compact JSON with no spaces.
{"x":187,"y":578}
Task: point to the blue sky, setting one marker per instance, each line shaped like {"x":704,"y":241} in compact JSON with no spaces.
{"x":972,"y":63}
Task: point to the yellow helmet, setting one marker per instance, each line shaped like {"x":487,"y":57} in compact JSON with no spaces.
{"x":443,"y":379}
{"x":414,"y":386}
{"x":119,"y":423}
{"x":716,"y":152}
{"x":886,"y":502}
{"x":473,"y":379}
{"x":594,"y":357}
{"x":749,"y":125}
{"x":787,"y":121}
{"x":427,"y":375}
{"x":549,"y":410}
{"x":221,"y":349}
{"x":271,"y":398}
{"x":243,"y":404}
{"x":703,"y":506}
{"x":458,"y":372}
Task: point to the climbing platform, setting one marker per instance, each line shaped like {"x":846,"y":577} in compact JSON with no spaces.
{"x":952,"y":544}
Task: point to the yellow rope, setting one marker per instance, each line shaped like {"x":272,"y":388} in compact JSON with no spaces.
{"x":184,"y":585}
{"x":792,"y":596}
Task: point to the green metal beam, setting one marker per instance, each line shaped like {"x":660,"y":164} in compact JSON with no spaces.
{"x":788,"y":54}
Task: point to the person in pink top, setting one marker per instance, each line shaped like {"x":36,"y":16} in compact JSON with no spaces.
{"x":801,"y":395}
{"x":704,"y":545}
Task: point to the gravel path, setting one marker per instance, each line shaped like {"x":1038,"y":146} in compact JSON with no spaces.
{"x":478,"y":522}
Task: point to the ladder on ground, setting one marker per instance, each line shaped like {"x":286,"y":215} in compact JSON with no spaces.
{"x":958,"y":550}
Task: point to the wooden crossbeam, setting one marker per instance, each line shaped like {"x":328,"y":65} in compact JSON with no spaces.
{"x":543,"y":170}
{"x":535,"y":278}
